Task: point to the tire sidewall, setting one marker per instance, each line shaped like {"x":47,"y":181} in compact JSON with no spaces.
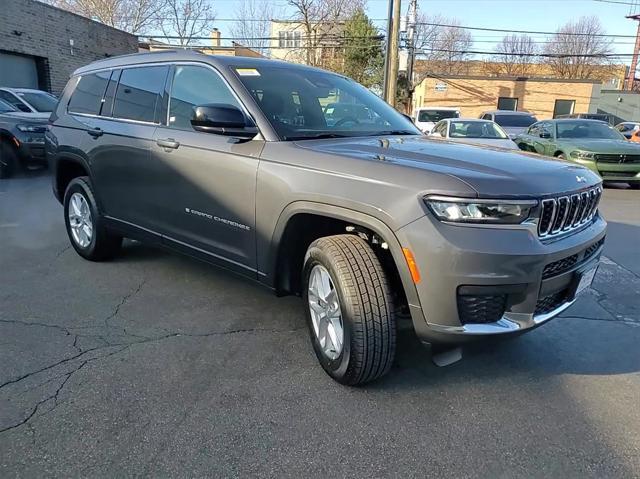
{"x":80,"y":186}
{"x":336,"y":368}
{"x":8,"y":160}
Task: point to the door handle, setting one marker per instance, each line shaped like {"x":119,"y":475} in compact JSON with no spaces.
{"x":168,"y":143}
{"x":96,"y":132}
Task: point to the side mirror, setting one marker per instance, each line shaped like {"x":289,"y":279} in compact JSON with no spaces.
{"x":545,"y":134}
{"x":222,"y":119}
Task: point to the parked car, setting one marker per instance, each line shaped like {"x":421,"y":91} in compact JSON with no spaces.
{"x":365,"y":222}
{"x":628,"y":128}
{"x":427,"y":117}
{"x":28,"y":100}
{"x":337,"y":114}
{"x":635,"y":137}
{"x":475,"y":132}
{"x":513,"y":122}
{"x":588,"y":116}
{"x":21,"y":139}
{"x":591,"y":143}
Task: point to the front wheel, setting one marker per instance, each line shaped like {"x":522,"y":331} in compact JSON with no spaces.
{"x":349,"y":309}
{"x":84,"y":224}
{"x":8,"y":159}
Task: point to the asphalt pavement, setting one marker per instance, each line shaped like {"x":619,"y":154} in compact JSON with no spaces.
{"x":158,"y":365}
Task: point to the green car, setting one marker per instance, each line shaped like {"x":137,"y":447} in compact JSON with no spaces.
{"x":591,"y":143}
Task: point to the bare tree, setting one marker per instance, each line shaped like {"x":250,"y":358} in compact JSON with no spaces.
{"x":253,"y":24}
{"x":514,"y":55}
{"x":320,"y":21}
{"x":578,"y":50}
{"x":186,"y":19}
{"x":133,"y":16}
{"x":443,"y":43}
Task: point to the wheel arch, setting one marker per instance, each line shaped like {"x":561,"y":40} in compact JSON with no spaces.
{"x":302,"y":222}
{"x":67,"y":167}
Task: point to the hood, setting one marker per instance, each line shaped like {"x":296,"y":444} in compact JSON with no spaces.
{"x":602,"y":146}
{"x":498,"y":142}
{"x":490,"y":171}
{"x":27,"y":117}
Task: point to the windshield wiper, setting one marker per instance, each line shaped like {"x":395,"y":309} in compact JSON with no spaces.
{"x":393,"y":132}
{"x":318,"y":136}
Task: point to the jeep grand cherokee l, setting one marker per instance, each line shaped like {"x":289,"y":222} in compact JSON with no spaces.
{"x":232,"y":160}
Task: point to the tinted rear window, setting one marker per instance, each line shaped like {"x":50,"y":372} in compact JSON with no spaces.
{"x":87,"y":97}
{"x":436,"y":115}
{"x":139,"y":92}
{"x":515,"y":120}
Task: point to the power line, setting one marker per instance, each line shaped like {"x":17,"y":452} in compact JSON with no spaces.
{"x":484,"y":29}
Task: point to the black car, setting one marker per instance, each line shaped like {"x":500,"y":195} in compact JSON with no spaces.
{"x":21,"y":139}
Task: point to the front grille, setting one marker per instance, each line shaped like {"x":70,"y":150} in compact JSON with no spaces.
{"x":567,"y":213}
{"x":550,"y":302}
{"x":560,"y":266}
{"x":608,"y":158}
{"x":481,"y":308}
{"x":590,"y":251}
{"x":619,"y":174}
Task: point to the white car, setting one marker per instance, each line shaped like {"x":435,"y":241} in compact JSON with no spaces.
{"x":28,"y":100}
{"x":472,"y":131}
{"x":426,"y":117}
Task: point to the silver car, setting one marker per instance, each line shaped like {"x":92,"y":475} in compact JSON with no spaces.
{"x":233,"y":160}
{"x":473,"y":132}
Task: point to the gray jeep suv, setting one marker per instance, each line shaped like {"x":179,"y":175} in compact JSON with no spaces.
{"x":232,"y":160}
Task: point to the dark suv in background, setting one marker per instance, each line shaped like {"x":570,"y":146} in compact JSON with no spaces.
{"x":238,"y":161}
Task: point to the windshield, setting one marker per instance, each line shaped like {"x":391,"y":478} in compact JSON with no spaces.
{"x":515,"y":120}
{"x":435,"y":116}
{"x":587,"y":129}
{"x":305,"y":104}
{"x":476,"y":129}
{"x":5,"y":107}
{"x":41,"y":102}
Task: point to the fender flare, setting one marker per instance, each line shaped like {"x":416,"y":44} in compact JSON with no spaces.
{"x":71,"y":157}
{"x":351,"y":216}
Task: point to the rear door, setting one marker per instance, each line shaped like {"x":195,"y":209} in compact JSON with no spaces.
{"x":120,"y":140}
{"x":541,"y":144}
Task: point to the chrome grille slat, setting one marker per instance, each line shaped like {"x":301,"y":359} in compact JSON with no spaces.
{"x":568,"y":212}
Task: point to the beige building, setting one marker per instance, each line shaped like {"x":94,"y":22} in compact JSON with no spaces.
{"x":545,"y":98}
{"x":290,"y":41}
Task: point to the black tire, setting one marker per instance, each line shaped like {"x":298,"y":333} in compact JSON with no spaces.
{"x":103,"y":245}
{"x":634,"y":186}
{"x":8,"y":159}
{"x":366,"y":305}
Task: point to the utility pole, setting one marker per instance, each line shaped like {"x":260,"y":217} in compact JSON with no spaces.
{"x":412,"y":18}
{"x":387,"y":53}
{"x":634,"y":59}
{"x":392,"y":51}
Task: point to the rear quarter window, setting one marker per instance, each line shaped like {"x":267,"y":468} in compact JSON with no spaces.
{"x":87,"y":96}
{"x":138,"y":93}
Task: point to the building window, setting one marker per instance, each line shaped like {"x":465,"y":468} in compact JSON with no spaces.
{"x":563,"y":107}
{"x":507,"y":103}
{"x":289,"y":39}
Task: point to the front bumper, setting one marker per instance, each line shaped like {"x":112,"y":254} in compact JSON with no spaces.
{"x":31,"y":149}
{"x":509,"y":264}
{"x":608,"y":171}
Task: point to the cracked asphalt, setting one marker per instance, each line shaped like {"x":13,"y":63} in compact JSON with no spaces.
{"x":158,"y":365}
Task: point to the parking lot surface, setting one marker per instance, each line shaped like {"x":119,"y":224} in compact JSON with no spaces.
{"x":158,"y":365}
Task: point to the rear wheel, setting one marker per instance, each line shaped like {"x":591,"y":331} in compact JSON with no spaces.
{"x":349,"y":309}
{"x":85,"y":227}
{"x":8,"y":159}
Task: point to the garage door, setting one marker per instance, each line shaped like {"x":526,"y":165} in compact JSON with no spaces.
{"x":18,"y":71}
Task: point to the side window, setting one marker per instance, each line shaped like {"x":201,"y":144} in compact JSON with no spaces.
{"x":193,"y":86}
{"x":534,"y":130}
{"x":545,"y":127}
{"x":486,"y":116}
{"x":442,"y":129}
{"x":138,"y":93}
{"x":87,"y":97}
{"x":13,"y":101}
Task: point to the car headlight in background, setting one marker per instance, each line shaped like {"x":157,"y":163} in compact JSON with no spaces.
{"x":582,"y":155}
{"x":31,"y":128}
{"x":464,"y":210}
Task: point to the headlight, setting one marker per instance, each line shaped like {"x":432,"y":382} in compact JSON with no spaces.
{"x":462,"y":210}
{"x":582,"y":155}
{"x":31,"y":128}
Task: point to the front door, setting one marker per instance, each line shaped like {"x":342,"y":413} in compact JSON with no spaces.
{"x":204,"y":184}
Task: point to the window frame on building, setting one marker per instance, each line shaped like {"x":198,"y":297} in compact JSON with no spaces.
{"x":515,"y":101}
{"x":556,"y":113}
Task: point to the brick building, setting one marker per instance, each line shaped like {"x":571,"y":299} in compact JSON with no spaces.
{"x":544,"y":97}
{"x":42,"y":45}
